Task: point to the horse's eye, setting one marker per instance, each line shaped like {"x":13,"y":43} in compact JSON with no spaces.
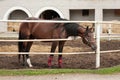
{"x":89,"y":35}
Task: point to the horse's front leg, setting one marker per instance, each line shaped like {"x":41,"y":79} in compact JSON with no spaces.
{"x":53,"y":48}
{"x":19,"y":57}
{"x":60,"y":49}
{"x":23,"y":59}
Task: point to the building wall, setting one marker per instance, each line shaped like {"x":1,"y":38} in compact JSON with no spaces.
{"x":63,"y":7}
{"x":33,"y":6}
{"x":109,"y":15}
{"x":77,"y":15}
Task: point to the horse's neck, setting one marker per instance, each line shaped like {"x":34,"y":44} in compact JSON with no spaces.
{"x":81,"y":30}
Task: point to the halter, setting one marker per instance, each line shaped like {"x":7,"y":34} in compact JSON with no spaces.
{"x":87,"y":41}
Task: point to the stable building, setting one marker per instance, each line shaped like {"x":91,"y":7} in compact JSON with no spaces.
{"x":83,"y":10}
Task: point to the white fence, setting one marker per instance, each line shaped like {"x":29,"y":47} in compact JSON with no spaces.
{"x":97,"y":36}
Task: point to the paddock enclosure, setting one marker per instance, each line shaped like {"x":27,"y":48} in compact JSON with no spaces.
{"x":103,"y":15}
{"x":10,"y":61}
{"x":80,"y":61}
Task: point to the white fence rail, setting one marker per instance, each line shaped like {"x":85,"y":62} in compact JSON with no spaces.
{"x":37,"y":40}
{"x":60,"y":21}
{"x":97,"y":26}
{"x":70,"y":53}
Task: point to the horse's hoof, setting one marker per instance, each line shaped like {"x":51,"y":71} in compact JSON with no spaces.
{"x":49,"y":67}
{"x":23,"y":64}
{"x":50,"y":61}
{"x":60,"y":63}
{"x":60,"y":66}
{"x":30,"y":66}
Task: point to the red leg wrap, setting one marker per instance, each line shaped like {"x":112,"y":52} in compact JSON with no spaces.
{"x":50,"y":61}
{"x":60,"y":62}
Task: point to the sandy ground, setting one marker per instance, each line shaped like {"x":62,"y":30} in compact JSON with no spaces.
{"x":69,"y":61}
{"x":84,"y":61}
{"x":64,"y":77}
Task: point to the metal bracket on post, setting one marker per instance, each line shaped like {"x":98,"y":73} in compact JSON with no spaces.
{"x":97,"y":26}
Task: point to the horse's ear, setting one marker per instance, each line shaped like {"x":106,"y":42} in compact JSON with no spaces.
{"x":90,"y":29}
{"x":87,"y":28}
{"x":86,"y":32}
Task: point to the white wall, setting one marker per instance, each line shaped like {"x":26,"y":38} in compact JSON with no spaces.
{"x":64,"y":6}
{"x":77,"y":15}
{"x":109,"y":15}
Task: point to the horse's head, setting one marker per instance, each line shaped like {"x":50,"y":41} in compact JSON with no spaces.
{"x":88,"y":38}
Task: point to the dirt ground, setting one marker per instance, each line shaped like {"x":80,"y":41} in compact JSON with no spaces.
{"x":82,"y":61}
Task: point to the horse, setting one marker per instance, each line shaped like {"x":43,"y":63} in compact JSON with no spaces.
{"x":38,"y":30}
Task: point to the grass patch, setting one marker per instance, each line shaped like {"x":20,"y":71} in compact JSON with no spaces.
{"x":30,"y":72}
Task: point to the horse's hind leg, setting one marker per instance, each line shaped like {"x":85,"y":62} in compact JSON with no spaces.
{"x":29,"y":44}
{"x":53,"y":48}
{"x":21,"y":48}
{"x":26,"y":58}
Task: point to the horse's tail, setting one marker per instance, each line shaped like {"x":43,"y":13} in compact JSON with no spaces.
{"x":20,"y":37}
{"x":20,"y":46}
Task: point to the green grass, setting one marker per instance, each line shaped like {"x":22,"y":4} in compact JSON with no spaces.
{"x":30,"y":72}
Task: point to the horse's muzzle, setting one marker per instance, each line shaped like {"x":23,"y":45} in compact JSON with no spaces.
{"x":94,"y":47}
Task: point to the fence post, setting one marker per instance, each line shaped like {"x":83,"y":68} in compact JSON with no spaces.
{"x":109,"y":31}
{"x":98,"y":45}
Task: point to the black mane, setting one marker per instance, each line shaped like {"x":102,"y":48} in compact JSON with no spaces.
{"x":71,"y":29}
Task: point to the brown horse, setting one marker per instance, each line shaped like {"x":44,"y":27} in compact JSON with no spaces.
{"x":37,"y":30}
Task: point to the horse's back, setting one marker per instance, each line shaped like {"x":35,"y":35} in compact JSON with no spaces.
{"x":41,"y":30}
{"x":26,"y":27}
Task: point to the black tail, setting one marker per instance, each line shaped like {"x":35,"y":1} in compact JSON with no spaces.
{"x":20,"y":46}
